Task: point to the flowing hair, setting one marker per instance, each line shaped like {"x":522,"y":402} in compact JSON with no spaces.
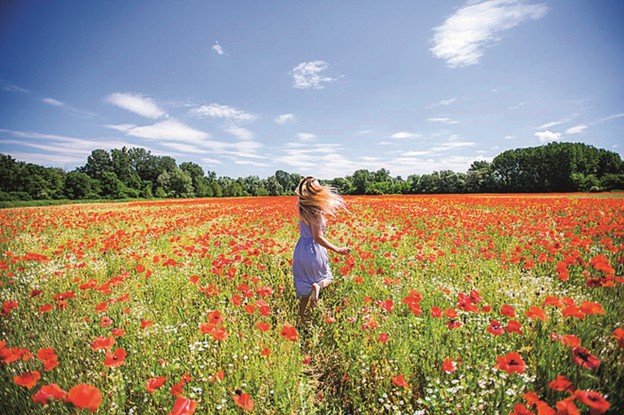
{"x":316,"y":199}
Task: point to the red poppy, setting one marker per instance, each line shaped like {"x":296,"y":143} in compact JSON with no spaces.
{"x":619,"y":335}
{"x":589,"y":308}
{"x":237,"y":300}
{"x":265,"y":352}
{"x":495,"y":328}
{"x":584,"y":358}
{"x":177,"y":388}
{"x":48,"y":393}
{"x":562,"y":383}
{"x":511,"y":363}
{"x":85,"y":397}
{"x":28,"y":379}
{"x":250,"y":308}
{"x":513,"y":327}
{"x":263,"y":326}
{"x":520,"y":409}
{"x":265,"y":291}
{"x":116,"y":359}
{"x":536,"y":312}
{"x":243,"y":400}
{"x":46,"y":308}
{"x":508,"y":311}
{"x":7,"y":307}
{"x":567,"y":407}
{"x":596,"y":403}
{"x":48,"y":357}
{"x":450,"y":313}
{"x":553,"y":301}
{"x":118,"y":332}
{"x":449,"y":366}
{"x":183,"y":406}
{"x":102,"y":342}
{"x":387,"y":305}
{"x":435,"y":312}
{"x":219,"y":333}
{"x":105,"y":321}
{"x":383,"y":338}
{"x":400,"y":381}
{"x":289,"y":332}
{"x":155,"y":383}
{"x":101,"y":307}
{"x":215,"y":318}
{"x":146,"y":323}
{"x":35,"y":293}
{"x":573,"y":311}
{"x":570,"y":340}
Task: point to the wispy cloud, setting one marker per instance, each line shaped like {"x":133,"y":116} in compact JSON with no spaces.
{"x":444,"y":120}
{"x":308,"y":75}
{"x":60,"y":144}
{"x":463,"y":37}
{"x":239,"y":132}
{"x":403,"y":135}
{"x":306,"y":136}
{"x":165,"y":130}
{"x":610,"y":117}
{"x":551,"y":124}
{"x":136,"y":103}
{"x":548,"y":136}
{"x":224,"y":112}
{"x":285,"y":119}
{"x":576,"y":129}
{"x":14,"y":88}
{"x":53,"y":102}
{"x":217,"y":48}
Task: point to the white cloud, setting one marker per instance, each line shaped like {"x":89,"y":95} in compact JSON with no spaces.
{"x":14,"y":88}
{"x":402,"y":135}
{"x":239,"y":132}
{"x":548,"y":136}
{"x":452,"y":145}
{"x":463,"y":37}
{"x":53,"y":102}
{"x":223,"y":112}
{"x":576,"y":129}
{"x":444,"y":120}
{"x":517,"y":106}
{"x":610,"y":117}
{"x":307,"y":75}
{"x":167,"y":130}
{"x":508,"y":137}
{"x":306,"y":136}
{"x":61,"y":144}
{"x":285,"y":119}
{"x":551,"y":124}
{"x":138,"y":104}
{"x":217,"y":48}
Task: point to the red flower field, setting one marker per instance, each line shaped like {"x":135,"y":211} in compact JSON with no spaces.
{"x":446,"y":304}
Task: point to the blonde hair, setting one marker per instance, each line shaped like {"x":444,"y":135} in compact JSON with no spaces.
{"x":316,"y":199}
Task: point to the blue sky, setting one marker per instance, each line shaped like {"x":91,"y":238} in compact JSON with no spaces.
{"x":318,"y":88}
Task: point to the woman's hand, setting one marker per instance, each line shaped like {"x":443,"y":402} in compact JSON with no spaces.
{"x":343,"y":250}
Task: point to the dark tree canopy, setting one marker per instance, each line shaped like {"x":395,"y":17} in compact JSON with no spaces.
{"x":135,"y":172}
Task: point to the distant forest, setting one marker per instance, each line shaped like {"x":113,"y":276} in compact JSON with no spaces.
{"x":136,"y":173}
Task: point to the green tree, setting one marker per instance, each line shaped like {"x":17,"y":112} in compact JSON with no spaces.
{"x":79,"y":185}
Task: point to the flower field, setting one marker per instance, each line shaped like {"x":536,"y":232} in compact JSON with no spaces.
{"x":446,"y":305}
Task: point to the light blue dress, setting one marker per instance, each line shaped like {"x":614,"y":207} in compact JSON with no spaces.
{"x":310,"y":261}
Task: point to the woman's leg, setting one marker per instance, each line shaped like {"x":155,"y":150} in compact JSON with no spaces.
{"x":303,"y":304}
{"x":316,"y":290}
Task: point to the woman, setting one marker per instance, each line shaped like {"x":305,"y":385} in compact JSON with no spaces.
{"x":310,"y":266}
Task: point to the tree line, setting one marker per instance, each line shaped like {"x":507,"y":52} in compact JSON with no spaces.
{"x":136,"y":173}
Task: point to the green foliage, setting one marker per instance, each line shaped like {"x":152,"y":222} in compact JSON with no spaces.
{"x":136,"y":173}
